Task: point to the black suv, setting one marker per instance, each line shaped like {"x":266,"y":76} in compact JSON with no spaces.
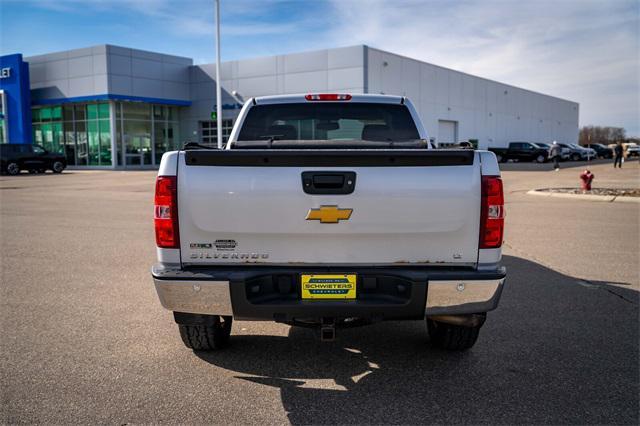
{"x":15,"y":157}
{"x":602,"y":150}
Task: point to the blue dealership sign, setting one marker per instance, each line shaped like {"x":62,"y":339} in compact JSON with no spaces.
{"x":14,"y":83}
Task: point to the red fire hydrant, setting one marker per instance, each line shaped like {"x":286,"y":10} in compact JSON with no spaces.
{"x":586,"y":177}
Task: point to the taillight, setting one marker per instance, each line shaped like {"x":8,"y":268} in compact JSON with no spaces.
{"x":166,"y":212}
{"x":328,"y":97}
{"x":492,"y":212}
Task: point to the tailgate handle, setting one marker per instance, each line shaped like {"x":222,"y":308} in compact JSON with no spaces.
{"x":328,"y":183}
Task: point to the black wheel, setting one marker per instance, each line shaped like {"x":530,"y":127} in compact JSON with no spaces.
{"x":57,"y":167}
{"x":452,"y":337}
{"x":207,"y":337}
{"x":541,"y":158}
{"x":13,"y":168}
{"x":42,"y":170}
{"x":575,"y":157}
{"x":32,"y":171}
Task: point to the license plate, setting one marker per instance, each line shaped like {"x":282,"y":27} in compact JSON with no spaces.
{"x":323,"y":286}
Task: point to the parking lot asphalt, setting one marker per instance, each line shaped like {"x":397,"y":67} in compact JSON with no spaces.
{"x":85,"y":340}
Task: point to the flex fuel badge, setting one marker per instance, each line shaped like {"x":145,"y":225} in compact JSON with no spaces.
{"x":194,"y":246}
{"x":225,"y":245}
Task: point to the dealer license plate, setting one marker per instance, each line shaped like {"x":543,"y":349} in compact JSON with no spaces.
{"x":323,"y":286}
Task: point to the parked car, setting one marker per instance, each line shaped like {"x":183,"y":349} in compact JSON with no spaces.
{"x":601,"y":150}
{"x":521,"y":151}
{"x":585,"y":152}
{"x":564,"y":152}
{"x":309,"y":235}
{"x":543,"y":145}
{"x":573,"y":153}
{"x":34,"y":158}
{"x":633,"y":150}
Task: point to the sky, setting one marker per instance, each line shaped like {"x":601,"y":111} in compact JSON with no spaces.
{"x":587,"y":51}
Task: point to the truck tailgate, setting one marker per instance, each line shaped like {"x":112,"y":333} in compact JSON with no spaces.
{"x":407,"y":207}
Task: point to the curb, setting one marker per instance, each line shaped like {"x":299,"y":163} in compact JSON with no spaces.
{"x":585,"y":197}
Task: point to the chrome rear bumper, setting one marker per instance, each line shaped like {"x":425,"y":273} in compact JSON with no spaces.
{"x":455,"y":297}
{"x":196,"y":297}
{"x":432,"y":293}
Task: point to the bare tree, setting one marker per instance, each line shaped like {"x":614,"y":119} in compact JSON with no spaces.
{"x":601,"y":134}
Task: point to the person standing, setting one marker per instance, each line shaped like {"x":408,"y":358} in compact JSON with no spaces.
{"x":618,"y":150}
{"x":555,"y":153}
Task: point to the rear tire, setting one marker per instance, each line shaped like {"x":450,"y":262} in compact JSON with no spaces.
{"x":576,"y":157}
{"x":207,"y":337}
{"x":57,"y":167}
{"x":541,"y":159}
{"x":452,"y":337}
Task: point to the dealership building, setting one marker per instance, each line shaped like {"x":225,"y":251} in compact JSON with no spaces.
{"x":116,"y":107}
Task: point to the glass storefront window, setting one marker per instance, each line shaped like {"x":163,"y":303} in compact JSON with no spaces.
{"x":105,"y":142}
{"x":94,"y":141}
{"x":144,"y":133}
{"x":137,"y":142}
{"x":50,"y":136}
{"x":92,"y":112}
{"x":118,"y":136}
{"x":67,"y":113}
{"x":82,"y":132}
{"x":161,"y":144}
{"x":99,"y":138}
{"x":103,"y":111}
{"x":136,"y":111}
{"x":49,"y":114}
{"x":159,"y":112}
{"x":37,"y":134}
{"x":69,"y":142}
{"x":82,"y":145}
{"x":45,"y":114}
{"x":80,"y":112}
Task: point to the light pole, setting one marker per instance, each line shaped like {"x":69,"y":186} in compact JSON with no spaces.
{"x":218,"y":83}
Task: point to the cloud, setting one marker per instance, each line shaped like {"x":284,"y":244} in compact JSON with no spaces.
{"x":585,"y":51}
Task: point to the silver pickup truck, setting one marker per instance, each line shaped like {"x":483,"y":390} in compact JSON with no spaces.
{"x":328,"y":211}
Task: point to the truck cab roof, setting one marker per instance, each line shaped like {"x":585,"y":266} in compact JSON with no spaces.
{"x":302,"y":97}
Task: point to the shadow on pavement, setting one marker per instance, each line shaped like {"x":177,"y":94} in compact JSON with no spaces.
{"x":555,"y":351}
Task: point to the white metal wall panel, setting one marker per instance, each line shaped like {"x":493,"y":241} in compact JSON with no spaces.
{"x":489,"y":111}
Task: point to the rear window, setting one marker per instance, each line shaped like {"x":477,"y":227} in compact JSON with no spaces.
{"x":329,"y":121}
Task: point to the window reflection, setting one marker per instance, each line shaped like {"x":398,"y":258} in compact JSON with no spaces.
{"x":82,"y":132}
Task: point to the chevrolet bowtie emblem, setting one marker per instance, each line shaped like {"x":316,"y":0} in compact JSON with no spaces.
{"x":329,"y":214}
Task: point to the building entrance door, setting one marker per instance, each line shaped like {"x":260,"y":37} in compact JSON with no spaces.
{"x":132,"y":151}
{"x":136,"y":144}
